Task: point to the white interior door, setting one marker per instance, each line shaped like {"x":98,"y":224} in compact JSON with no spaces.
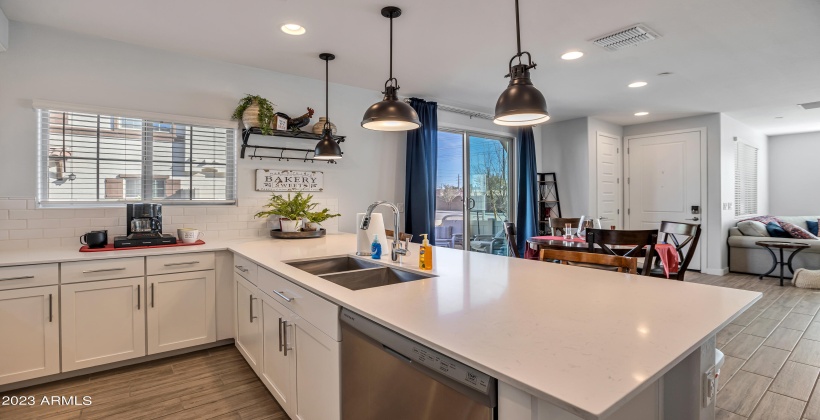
{"x":609,"y":164}
{"x":664,"y":181}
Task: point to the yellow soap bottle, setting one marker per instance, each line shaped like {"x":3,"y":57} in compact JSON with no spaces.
{"x":425,"y":254}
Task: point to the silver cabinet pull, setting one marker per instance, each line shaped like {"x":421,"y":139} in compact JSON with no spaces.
{"x":250,"y":307}
{"x":280,"y":334}
{"x":285,"y":336}
{"x":49,"y":308}
{"x":139,"y":297}
{"x":283,"y":296}
{"x":152,"y":295}
{"x":242,"y":269}
{"x":103,"y":270}
{"x":17,"y":278}
{"x":181,"y":263}
{"x":694,"y":219}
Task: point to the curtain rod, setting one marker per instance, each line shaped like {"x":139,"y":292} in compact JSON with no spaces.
{"x":462,"y":111}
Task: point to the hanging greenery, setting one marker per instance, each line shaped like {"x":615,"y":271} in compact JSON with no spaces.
{"x":265,"y":111}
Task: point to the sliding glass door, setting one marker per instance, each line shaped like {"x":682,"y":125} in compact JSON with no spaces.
{"x":473,"y":191}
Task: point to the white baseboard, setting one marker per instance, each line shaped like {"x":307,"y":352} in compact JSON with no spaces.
{"x":716,"y":271}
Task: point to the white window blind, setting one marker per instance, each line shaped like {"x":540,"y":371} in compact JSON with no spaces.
{"x":745,"y":180}
{"x":92,"y":158}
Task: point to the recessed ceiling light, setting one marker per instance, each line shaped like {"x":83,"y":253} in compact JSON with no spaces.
{"x":641,"y":114}
{"x":572,"y":55}
{"x":637,"y":84}
{"x":666,"y":73}
{"x":778,"y":118}
{"x":293,"y":29}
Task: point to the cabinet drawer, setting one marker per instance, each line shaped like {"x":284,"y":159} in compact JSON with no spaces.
{"x":20,"y":276}
{"x":180,"y":263}
{"x":245,"y":268}
{"x":116,"y":268}
{"x":317,"y":310}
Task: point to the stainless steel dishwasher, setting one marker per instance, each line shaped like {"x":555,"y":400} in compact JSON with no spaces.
{"x":388,"y":376}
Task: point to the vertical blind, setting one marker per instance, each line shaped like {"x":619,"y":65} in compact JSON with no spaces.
{"x":95,"y":158}
{"x":745,"y":180}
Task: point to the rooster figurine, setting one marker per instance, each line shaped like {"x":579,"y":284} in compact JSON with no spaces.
{"x":296,"y":123}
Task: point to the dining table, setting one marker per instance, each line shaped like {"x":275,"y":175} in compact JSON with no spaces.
{"x":667,"y":253}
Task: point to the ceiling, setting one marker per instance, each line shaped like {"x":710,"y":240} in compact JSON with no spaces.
{"x":752,"y":59}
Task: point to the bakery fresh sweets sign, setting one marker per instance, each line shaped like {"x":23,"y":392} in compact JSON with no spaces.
{"x":275,"y":180}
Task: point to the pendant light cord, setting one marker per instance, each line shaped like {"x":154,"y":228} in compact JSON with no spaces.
{"x":391,"y":45}
{"x":517,"y":28}
{"x":327,"y":94}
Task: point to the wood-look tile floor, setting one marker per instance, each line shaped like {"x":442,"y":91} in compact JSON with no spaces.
{"x":772,"y":352}
{"x":207,"y":384}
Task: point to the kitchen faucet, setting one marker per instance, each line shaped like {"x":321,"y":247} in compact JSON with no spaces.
{"x":396,"y":250}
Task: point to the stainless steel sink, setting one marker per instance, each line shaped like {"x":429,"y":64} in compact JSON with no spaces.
{"x":331,"y":265}
{"x":372,"y":277}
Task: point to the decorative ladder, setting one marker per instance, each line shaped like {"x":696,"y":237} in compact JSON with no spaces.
{"x":549,"y":204}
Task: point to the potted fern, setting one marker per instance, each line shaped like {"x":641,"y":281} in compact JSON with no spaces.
{"x":255,"y":112}
{"x":291,"y":210}
{"x":314,"y":219}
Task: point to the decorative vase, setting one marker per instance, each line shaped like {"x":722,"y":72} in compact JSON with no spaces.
{"x":250,"y":118}
{"x":288,"y":225}
{"x":319,"y":126}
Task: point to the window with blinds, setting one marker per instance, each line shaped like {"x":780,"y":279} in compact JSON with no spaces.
{"x":89,"y":159}
{"x":745,"y":180}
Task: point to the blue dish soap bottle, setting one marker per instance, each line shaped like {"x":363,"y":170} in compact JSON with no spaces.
{"x":376,"y":248}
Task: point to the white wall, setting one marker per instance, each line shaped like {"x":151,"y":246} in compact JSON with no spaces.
{"x":793,"y":174}
{"x":565,"y":151}
{"x":51,"y":64}
{"x":4,"y":32}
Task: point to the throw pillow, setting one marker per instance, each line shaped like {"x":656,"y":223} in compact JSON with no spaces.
{"x":775,"y":231}
{"x":796,"y":231}
{"x":813,"y":227}
{"x":752,"y":228}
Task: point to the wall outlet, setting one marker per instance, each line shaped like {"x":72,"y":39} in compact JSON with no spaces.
{"x":727,"y":206}
{"x":709,"y":384}
{"x":401,"y":207}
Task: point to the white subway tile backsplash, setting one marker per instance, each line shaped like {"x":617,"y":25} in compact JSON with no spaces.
{"x":26,"y":234}
{"x":4,"y":235}
{"x":25,"y":214}
{"x":194,"y":211}
{"x":13,"y":224}
{"x":43,"y":223}
{"x":4,"y":214}
{"x":11,"y":204}
{"x":13,"y":244}
{"x":58,"y":213}
{"x":75,"y":222}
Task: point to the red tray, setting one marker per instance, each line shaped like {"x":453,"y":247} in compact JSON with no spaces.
{"x":110,"y":247}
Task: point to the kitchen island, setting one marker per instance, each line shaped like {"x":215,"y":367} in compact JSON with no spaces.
{"x":563,"y":342}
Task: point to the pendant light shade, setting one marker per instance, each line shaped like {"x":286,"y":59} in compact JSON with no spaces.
{"x":521,"y":104}
{"x":391,"y":114}
{"x":327,"y":148}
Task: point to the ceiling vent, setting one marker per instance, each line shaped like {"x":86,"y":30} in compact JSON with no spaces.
{"x":811,"y":105}
{"x":627,"y":37}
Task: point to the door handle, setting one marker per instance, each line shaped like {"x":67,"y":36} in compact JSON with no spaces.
{"x":139,"y":297}
{"x":242,"y":269}
{"x":17,"y":278}
{"x":103,"y":270}
{"x":471,"y":205}
{"x":49,"y":308}
{"x":250,"y":307}
{"x":280,"y":334}
{"x":152,"y":295}
{"x":181,"y":263}
{"x":281,"y":295}
{"x":285,"y":336}
{"x":694,"y":219}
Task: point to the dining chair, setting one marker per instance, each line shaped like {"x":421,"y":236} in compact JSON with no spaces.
{"x":671,"y":231}
{"x":456,"y":236}
{"x":559,"y":224}
{"x":402,"y":236}
{"x":512,"y":244}
{"x":634,"y":240}
{"x":591,"y":260}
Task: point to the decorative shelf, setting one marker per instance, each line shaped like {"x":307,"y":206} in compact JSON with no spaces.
{"x":246,"y":134}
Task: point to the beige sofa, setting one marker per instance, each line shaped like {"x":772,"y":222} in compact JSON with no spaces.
{"x":746,"y":257}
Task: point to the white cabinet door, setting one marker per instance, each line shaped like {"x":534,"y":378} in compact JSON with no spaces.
{"x":248,"y":323}
{"x":29,"y":325}
{"x":318,"y":389}
{"x":181,"y":310}
{"x":102,"y":322}
{"x":278,"y":364}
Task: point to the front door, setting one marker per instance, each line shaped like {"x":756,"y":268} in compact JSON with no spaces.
{"x":664,"y":181}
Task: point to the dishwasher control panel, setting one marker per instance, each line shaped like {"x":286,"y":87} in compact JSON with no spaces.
{"x":418,"y":354}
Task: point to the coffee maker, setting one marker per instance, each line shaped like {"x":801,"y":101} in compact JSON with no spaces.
{"x":143,"y":227}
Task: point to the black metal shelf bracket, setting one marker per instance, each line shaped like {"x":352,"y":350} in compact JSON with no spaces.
{"x":246,"y":134}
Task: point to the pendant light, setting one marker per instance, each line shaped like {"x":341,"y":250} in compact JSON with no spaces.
{"x":391,"y":114}
{"x":327,"y":148}
{"x":521,"y":104}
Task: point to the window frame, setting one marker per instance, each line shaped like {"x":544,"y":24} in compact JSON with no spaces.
{"x":117,"y":116}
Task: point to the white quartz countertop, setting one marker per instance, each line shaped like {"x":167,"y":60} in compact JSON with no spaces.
{"x":586,"y":340}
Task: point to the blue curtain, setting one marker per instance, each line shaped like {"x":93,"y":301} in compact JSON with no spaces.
{"x":420,"y":178}
{"x":527,"y":211}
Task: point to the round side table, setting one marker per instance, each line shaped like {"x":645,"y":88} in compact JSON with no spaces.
{"x":796,"y":247}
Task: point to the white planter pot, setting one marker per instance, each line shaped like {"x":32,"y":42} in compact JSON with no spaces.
{"x":250,"y":118}
{"x":288,"y":225}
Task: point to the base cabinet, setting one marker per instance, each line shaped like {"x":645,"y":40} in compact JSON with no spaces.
{"x":29,"y":323}
{"x":102,"y":322}
{"x":278,"y":371}
{"x":318,"y":388}
{"x":248,"y":324}
{"x":181,"y":310}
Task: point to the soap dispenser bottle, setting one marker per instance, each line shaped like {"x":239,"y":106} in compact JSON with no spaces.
{"x":376,"y":248}
{"x":425,"y":254}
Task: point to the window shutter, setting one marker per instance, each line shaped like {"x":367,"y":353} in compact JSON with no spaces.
{"x":89,"y":159}
{"x":745,"y":180}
